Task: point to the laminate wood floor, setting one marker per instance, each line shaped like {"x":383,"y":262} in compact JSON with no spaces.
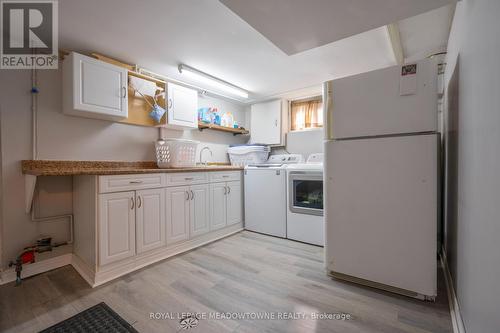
{"x":246,"y":275}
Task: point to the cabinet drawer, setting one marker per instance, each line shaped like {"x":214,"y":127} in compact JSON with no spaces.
{"x":117,"y":183}
{"x":186,"y":178}
{"x":224,"y":176}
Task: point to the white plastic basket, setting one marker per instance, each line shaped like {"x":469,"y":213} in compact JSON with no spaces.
{"x":244,"y":155}
{"x":176,"y":153}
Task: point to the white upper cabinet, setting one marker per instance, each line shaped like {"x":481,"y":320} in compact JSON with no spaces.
{"x":94,"y":89}
{"x":182,"y":106}
{"x":267,"y":122}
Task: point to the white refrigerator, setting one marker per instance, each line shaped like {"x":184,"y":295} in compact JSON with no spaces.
{"x":381,"y":179}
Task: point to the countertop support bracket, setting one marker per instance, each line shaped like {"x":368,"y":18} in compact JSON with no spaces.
{"x":204,"y":128}
{"x":29,"y":191}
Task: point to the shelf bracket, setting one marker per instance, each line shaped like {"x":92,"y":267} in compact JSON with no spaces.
{"x":29,"y":191}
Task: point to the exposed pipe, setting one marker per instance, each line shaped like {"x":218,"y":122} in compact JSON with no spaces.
{"x":30,"y":251}
{"x":54,"y":218}
{"x":34,"y":110}
{"x":34,"y":113}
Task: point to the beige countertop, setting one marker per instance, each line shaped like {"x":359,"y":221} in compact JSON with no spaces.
{"x":70,"y":168}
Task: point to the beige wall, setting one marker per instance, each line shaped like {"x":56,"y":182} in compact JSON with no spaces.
{"x":69,"y":138}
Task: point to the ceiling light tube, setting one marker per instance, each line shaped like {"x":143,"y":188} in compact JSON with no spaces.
{"x":212,"y":81}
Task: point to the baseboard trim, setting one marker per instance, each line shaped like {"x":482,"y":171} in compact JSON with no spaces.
{"x":456,"y":316}
{"x":115,"y":270}
{"x":35,"y":268}
{"x":95,"y":279}
{"x":83,"y":269}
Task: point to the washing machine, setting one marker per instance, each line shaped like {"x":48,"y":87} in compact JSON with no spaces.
{"x":265,"y":188}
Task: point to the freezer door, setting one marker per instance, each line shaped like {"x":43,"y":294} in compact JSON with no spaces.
{"x":265,"y":201}
{"x":370,"y":104}
{"x":381,"y":210}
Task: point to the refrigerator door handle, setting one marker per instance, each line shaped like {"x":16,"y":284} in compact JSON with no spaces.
{"x":328,"y":110}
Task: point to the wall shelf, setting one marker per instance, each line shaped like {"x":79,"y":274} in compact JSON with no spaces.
{"x":234,"y":131}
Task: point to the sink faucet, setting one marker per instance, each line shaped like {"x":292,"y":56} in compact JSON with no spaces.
{"x":201,"y":155}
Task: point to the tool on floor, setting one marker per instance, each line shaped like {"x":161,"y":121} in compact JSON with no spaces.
{"x":27,"y":255}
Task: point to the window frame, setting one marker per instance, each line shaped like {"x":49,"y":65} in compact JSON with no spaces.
{"x":303,"y":99}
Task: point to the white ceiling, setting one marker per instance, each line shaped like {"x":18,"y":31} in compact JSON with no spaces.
{"x":427,"y":33}
{"x":298,"y":25}
{"x":160,"y":34}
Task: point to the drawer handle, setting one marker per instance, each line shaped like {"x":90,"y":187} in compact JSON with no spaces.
{"x":225,"y":176}
{"x":133,"y":204}
{"x":135,"y":182}
{"x":188,"y":178}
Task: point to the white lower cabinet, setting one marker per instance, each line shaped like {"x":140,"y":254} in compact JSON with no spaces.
{"x":226,"y":204}
{"x":121,"y":225}
{"x":150,"y":219}
{"x":199,"y":212}
{"x":234,"y":203}
{"x":177,"y":199}
{"x":187,"y":212}
{"x":116,"y":226}
{"x":217,"y":206}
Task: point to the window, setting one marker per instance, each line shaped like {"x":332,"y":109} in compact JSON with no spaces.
{"x":306,"y":113}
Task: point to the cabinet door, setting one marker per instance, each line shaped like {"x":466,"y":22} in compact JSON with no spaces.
{"x":217,"y":205}
{"x":199,"y":212}
{"x":150,"y":223}
{"x":234,"y":203}
{"x":177,"y":211}
{"x":116,"y":226}
{"x":265,"y":123}
{"x":99,"y":88}
{"x":182,"y":106}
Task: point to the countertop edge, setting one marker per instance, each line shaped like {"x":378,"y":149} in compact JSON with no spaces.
{"x":103,"y":168}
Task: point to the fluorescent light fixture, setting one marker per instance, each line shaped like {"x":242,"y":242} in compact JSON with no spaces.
{"x":212,"y":81}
